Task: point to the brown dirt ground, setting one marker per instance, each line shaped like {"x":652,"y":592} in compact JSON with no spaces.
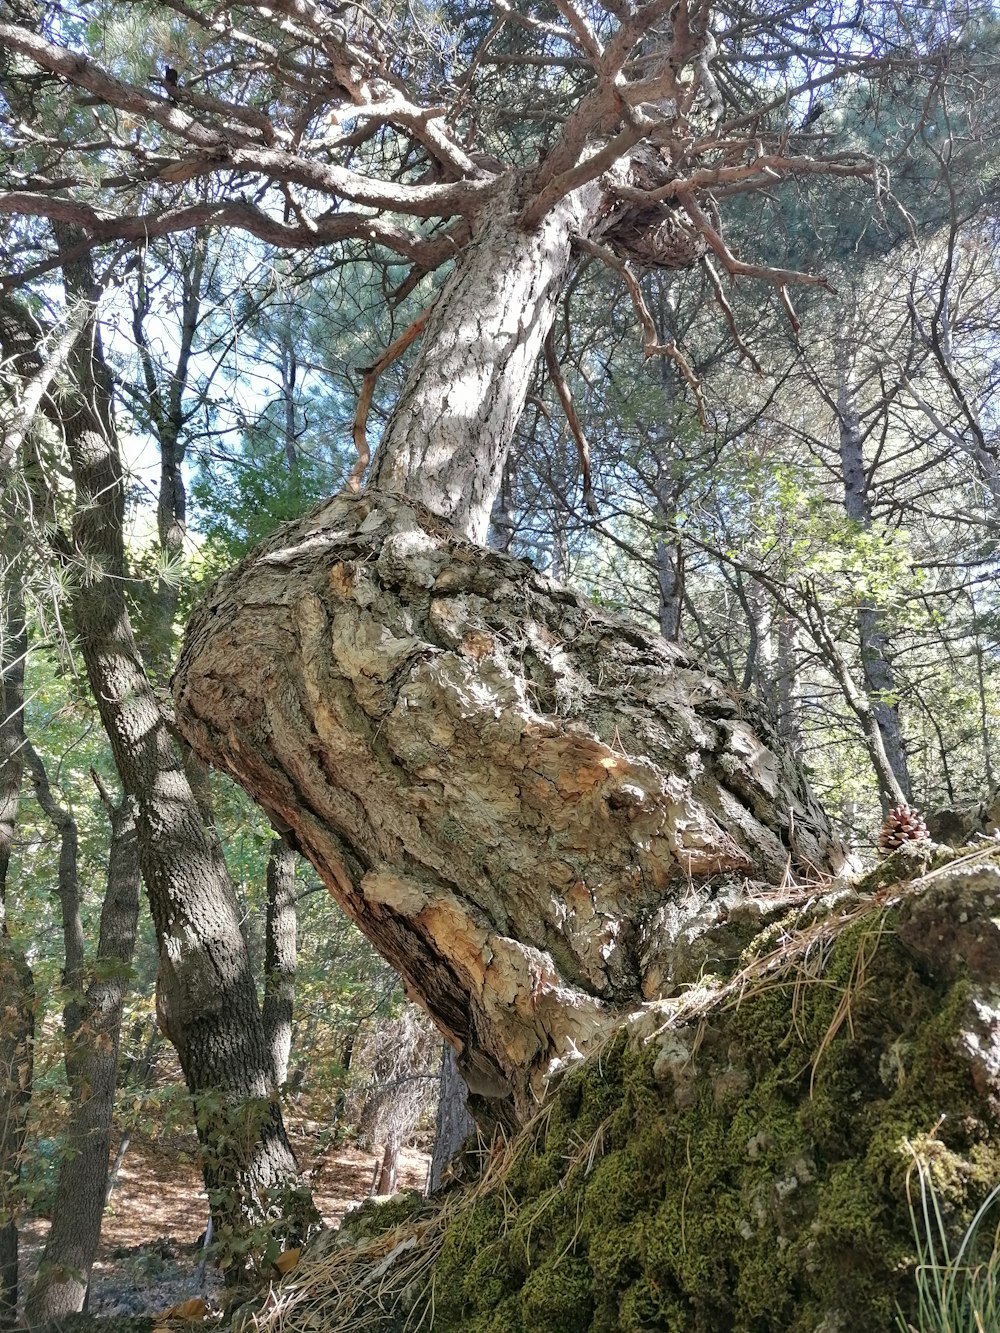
{"x":148,"y":1258}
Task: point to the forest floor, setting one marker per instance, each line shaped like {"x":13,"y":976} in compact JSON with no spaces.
{"x":150,"y":1257}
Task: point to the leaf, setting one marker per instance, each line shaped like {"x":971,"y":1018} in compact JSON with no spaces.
{"x":192,"y":1309}
{"x":287,"y":1261}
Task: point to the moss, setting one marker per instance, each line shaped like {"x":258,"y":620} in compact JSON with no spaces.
{"x":377,"y":1215}
{"x":557,"y":1296}
{"x":649,"y":1197}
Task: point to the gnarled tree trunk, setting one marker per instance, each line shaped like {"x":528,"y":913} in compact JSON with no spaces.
{"x":537,"y":812}
{"x":513,"y":793}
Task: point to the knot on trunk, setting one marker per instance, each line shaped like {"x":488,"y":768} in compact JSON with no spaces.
{"x":524,"y":801}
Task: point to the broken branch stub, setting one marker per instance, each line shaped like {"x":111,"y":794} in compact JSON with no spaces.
{"x":533,"y":809}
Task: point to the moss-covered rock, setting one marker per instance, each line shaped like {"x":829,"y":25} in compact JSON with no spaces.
{"x":742,"y":1164}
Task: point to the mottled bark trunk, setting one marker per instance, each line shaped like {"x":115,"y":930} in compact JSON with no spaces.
{"x":17,"y":994}
{"x":71,"y":1245}
{"x":511,"y":793}
{"x":448,"y":438}
{"x":452,"y":1124}
{"x":279,"y":957}
{"x":875,"y":665}
{"x":206,"y":995}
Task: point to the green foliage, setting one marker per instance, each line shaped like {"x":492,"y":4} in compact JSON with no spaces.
{"x":241,"y":503}
{"x":960,"y":1292}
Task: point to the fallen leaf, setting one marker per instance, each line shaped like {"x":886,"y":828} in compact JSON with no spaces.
{"x":286,"y":1261}
{"x":193,"y":1309}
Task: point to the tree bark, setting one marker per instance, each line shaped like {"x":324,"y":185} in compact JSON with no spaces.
{"x":452,"y":1124}
{"x":279,"y":957}
{"x":92,"y":1052}
{"x":167,"y":419}
{"x":68,"y":893}
{"x":510,"y":792}
{"x":448,"y":438}
{"x":206,"y":994}
{"x":17,"y":994}
{"x":874,"y":660}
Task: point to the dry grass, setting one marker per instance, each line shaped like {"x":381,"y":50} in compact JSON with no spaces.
{"x":360,"y":1285}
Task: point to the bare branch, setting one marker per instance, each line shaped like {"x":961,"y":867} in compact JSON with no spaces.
{"x":327,"y":229}
{"x":736,"y":267}
{"x":651,"y":345}
{"x":566,"y":398}
{"x":371,"y":375}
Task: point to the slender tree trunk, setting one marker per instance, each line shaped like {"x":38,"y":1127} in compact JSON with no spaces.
{"x":874,"y":660}
{"x":670,"y":582}
{"x":447,"y":441}
{"x":452,"y":1124}
{"x":71,"y":1245}
{"x":17,"y":995}
{"x":16,"y":1038}
{"x":68,"y":892}
{"x":510,"y":792}
{"x":279,"y":957}
{"x":206,"y":995}
{"x":388,"y":1171}
{"x":167,"y":418}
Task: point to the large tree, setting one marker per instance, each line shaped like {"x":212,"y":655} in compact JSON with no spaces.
{"x":531,"y":808}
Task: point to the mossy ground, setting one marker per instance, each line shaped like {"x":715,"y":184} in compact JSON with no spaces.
{"x":745,"y":1174}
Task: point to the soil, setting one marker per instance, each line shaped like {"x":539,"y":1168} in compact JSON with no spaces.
{"x":150,"y":1254}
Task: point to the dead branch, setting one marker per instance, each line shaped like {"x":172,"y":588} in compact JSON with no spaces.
{"x":727,"y":310}
{"x":371,"y":375}
{"x":576,"y":429}
{"x":736,"y":267}
{"x":651,"y":345}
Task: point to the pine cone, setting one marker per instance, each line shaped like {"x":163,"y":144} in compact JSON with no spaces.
{"x":904,"y":823}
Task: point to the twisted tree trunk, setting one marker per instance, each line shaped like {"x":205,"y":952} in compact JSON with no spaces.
{"x":541,"y":815}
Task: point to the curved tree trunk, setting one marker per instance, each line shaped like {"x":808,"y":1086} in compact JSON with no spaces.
{"x":511,"y":792}
{"x":535,"y":811}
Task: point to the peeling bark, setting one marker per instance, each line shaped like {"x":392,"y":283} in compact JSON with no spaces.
{"x":534,"y":810}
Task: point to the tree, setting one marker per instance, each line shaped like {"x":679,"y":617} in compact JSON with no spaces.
{"x":510,"y":792}
{"x":206,"y":996}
